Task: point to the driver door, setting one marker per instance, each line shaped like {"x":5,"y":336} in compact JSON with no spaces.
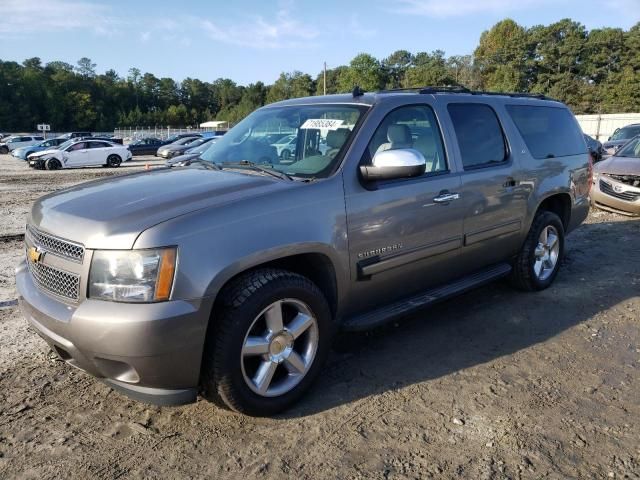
{"x":403,"y":238}
{"x":77,"y":155}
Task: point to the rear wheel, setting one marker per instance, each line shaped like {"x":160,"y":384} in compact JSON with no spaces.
{"x":114,"y":161}
{"x":4,"y":150}
{"x":539,"y":260}
{"x":271,"y":337}
{"x":52,"y":164}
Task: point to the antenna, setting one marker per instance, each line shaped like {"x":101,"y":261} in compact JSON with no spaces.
{"x":357,"y":91}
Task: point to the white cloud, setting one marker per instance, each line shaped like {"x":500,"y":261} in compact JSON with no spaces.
{"x":281,"y":31}
{"x":20,"y":17}
{"x":458,"y":8}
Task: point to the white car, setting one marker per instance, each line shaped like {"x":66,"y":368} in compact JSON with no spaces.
{"x":16,"y":141}
{"x":81,"y":153}
{"x":286,"y":146}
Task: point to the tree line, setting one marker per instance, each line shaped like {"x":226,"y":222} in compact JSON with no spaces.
{"x":593,"y":71}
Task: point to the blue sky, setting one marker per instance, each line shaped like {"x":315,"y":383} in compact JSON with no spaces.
{"x":250,"y":40}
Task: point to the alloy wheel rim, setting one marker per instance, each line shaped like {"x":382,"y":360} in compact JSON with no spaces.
{"x":279,"y":347}
{"x":546,"y":253}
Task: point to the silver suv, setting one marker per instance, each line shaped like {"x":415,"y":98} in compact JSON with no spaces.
{"x":228,"y":276}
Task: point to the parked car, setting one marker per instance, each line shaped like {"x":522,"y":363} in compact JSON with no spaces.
{"x":145,"y":146}
{"x":595,"y":147}
{"x":620,"y":137}
{"x":191,"y":153}
{"x":286,"y":146}
{"x":179,"y":136}
{"x":9,"y":144}
{"x":178,"y":147}
{"x":616,"y":180}
{"x":76,"y":135}
{"x":81,"y":153}
{"x":111,"y":139}
{"x":23,"y":152}
{"x":229,"y":276}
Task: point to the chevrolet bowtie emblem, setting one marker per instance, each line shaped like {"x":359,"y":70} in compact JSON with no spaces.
{"x":34,"y":254}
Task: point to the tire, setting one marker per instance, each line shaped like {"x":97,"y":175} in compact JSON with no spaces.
{"x":230,"y":368}
{"x":4,"y":150}
{"x":531,"y":272}
{"x":114,"y":161}
{"x":52,"y":164}
{"x":286,"y":154}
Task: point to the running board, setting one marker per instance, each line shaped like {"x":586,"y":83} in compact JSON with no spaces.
{"x":402,"y":307}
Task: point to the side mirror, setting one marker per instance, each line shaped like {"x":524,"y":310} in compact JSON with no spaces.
{"x":391,"y":164}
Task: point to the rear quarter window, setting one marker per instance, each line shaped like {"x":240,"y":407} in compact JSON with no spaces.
{"x":549,"y":132}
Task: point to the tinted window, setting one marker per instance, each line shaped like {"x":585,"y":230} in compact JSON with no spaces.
{"x":38,"y":138}
{"x":414,"y":127}
{"x":548,"y":132}
{"x":479,"y":134}
{"x":98,"y":145}
{"x":77,"y":146}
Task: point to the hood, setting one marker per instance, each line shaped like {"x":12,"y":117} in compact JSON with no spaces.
{"x":45,"y":152}
{"x":111,"y":213}
{"x":619,"y":166}
{"x":614,"y":143}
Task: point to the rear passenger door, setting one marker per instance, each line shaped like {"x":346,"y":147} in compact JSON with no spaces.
{"x":494,"y":200}
{"x":98,"y":152}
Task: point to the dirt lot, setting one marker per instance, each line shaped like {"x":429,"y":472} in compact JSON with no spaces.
{"x":494,"y":384}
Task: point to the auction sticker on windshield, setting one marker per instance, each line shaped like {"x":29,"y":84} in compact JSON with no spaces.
{"x":322,"y":123}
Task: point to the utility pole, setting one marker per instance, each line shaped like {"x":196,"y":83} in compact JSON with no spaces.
{"x":325,"y":78}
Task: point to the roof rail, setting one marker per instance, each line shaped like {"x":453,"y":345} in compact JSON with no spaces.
{"x":513,"y":94}
{"x":429,"y":89}
{"x":461,"y":89}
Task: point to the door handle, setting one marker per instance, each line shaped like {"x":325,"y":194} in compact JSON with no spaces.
{"x":446,"y":197}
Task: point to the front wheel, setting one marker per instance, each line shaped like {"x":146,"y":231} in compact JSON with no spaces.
{"x":269,"y":341}
{"x":4,"y":150}
{"x":114,"y":161}
{"x":538,"y":262}
{"x":52,"y":164}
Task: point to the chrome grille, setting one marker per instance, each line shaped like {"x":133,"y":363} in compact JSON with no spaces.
{"x":56,"y":246}
{"x":56,"y":281}
{"x":627,"y":196}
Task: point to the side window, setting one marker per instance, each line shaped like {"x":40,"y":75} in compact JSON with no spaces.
{"x":77,"y":146}
{"x":479,"y":134}
{"x":548,"y":131}
{"x":413,"y":126}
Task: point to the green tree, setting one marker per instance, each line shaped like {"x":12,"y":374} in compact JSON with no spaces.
{"x":364,"y":71}
{"x":501,"y":57}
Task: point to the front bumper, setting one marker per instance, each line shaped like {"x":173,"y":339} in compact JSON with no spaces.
{"x":151,"y":352}
{"x":607,"y":201}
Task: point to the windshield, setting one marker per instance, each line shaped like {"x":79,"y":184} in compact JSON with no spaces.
{"x":626,"y":133}
{"x":319,"y":133}
{"x":631,"y":149}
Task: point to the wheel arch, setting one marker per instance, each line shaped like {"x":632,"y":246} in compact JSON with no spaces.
{"x":316,"y":266}
{"x":558,"y":203}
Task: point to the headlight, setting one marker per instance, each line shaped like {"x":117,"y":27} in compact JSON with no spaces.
{"x":132,"y":275}
{"x":595,"y":176}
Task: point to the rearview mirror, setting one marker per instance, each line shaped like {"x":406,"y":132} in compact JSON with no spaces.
{"x":390,"y":164}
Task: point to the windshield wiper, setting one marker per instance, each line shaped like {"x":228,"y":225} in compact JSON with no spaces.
{"x":199,"y":161}
{"x":260,"y":168}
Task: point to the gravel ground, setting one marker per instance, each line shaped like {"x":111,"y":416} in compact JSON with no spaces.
{"x":494,"y":384}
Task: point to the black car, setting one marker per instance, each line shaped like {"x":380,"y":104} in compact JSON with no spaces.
{"x":595,"y":147}
{"x":145,"y":146}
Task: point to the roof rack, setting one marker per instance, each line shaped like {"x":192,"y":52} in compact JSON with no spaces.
{"x":461,"y":89}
